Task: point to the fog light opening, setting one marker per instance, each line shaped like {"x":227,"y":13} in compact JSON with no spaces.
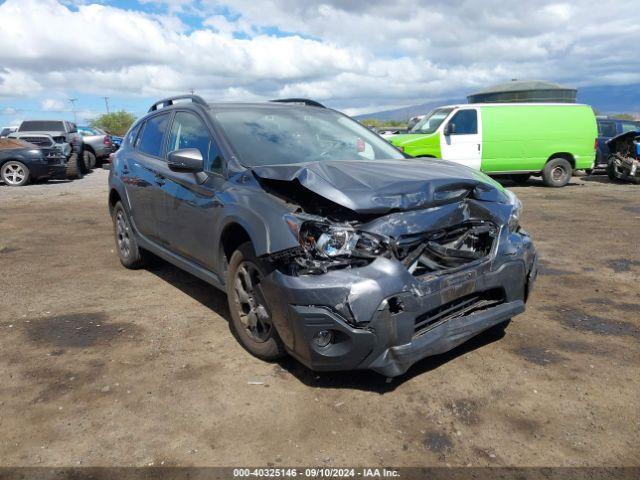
{"x":323,"y":338}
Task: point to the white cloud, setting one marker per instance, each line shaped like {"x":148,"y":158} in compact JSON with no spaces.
{"x":17,"y":83}
{"x":355,"y":54}
{"x":53,"y":105}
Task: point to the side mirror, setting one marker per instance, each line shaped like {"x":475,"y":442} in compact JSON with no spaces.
{"x":450,"y":129}
{"x":185,"y":160}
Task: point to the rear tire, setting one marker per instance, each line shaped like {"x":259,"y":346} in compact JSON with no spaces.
{"x":557,"y":172}
{"x":131,"y":256}
{"x":251,"y":322}
{"x":520,"y":178}
{"x":15,"y":174}
{"x":89,"y":160}
{"x":73,"y":168}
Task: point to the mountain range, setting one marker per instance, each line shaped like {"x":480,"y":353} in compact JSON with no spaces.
{"x":604,"y":99}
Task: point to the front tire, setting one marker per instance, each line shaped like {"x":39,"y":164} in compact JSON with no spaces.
{"x":250,"y":317}
{"x":15,"y":174}
{"x":73,"y":168}
{"x":611,"y":170}
{"x":557,"y":172}
{"x":131,"y":256}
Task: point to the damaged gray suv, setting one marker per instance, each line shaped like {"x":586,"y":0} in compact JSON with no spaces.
{"x":332,"y":245}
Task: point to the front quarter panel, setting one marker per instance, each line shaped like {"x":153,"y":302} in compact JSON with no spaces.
{"x":260,"y":214}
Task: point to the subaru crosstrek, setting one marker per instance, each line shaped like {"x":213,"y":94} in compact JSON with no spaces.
{"x":331,"y":244}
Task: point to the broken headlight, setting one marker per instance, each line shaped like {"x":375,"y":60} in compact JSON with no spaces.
{"x":326,"y":240}
{"x":516,"y":211}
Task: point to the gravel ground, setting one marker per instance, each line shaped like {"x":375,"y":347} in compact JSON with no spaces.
{"x":104,"y":366}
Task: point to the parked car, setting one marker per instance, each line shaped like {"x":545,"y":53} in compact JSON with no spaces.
{"x":386,"y":132}
{"x":22,"y":162}
{"x":607,"y":129}
{"x":97,"y":144}
{"x":331,"y":245}
{"x":412,"y":122}
{"x":62,"y":132}
{"x":520,"y":140}
{"x":117,"y":142}
{"x":624,"y":157}
{"x":6,"y":131}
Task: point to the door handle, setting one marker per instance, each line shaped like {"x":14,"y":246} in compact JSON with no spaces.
{"x":159,"y":179}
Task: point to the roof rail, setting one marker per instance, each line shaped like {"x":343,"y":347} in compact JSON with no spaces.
{"x":167,"y":102}
{"x":300,"y":101}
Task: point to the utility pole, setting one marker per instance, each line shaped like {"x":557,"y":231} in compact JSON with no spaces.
{"x":106,"y":103}
{"x":192,"y":91}
{"x":73,"y":109}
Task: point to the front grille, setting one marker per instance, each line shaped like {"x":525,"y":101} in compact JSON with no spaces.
{"x":460,"y":307}
{"x":39,"y":141}
{"x":446,"y":249}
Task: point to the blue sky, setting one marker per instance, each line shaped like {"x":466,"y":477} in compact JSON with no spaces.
{"x":357,"y":55}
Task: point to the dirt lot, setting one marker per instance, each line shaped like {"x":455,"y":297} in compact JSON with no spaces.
{"x":104,"y":366}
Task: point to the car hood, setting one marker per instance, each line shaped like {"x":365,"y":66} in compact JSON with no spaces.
{"x":612,"y":142}
{"x":406,"y":139}
{"x":53,"y":133}
{"x":378,"y":187}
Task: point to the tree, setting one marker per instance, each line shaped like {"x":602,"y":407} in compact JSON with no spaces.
{"x":623,"y":116}
{"x":116,"y":123}
{"x":371,"y":122}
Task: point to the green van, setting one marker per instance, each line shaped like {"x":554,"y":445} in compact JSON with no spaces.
{"x":518,"y":139}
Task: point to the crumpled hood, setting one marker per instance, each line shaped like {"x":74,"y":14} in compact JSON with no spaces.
{"x":381,"y":186}
{"x":613,"y":142}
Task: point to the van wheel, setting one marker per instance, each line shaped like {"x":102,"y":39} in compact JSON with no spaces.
{"x":557,"y":172}
{"x":250,"y":317}
{"x":520,"y":178}
{"x":131,"y":256}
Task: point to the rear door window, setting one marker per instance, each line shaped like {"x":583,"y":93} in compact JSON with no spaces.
{"x":150,"y":141}
{"x":606,"y":129}
{"x":133,"y":133}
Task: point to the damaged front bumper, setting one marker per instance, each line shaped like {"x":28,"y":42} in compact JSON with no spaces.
{"x":624,"y":168}
{"x":383,"y":318}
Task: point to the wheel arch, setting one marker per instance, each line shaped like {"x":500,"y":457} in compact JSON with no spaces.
{"x":566,"y":155}
{"x":232,"y":236}
{"x":114,"y":197}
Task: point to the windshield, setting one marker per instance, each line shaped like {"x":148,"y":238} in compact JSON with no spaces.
{"x":630,"y":127}
{"x":89,"y":131}
{"x":41,"y":126}
{"x":432,"y":121}
{"x":277,"y":135}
